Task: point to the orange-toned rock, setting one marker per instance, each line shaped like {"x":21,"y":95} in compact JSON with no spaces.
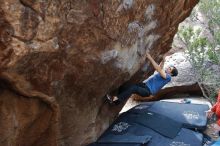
{"x":66,"y":55}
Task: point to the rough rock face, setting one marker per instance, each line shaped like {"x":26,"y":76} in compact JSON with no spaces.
{"x":59,"y":58}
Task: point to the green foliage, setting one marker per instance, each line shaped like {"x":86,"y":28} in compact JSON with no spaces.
{"x":213,"y":56}
{"x":211,"y":10}
{"x":202,"y":49}
{"x":195,"y":45}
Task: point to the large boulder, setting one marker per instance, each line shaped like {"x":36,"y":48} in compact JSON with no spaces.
{"x":59,"y":58}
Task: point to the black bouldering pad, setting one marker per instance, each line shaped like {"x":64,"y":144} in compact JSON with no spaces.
{"x":124,"y":132}
{"x":190,"y":115}
{"x":160,"y":123}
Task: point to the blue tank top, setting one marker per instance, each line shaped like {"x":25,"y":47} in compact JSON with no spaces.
{"x":156,"y":82}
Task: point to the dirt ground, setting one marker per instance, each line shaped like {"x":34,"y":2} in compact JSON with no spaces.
{"x":210,"y":129}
